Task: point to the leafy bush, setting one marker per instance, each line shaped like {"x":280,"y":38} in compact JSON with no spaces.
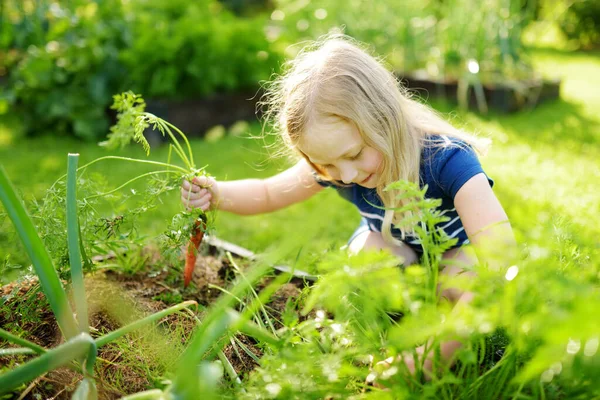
{"x":440,"y":36}
{"x":182,"y":49}
{"x":581,"y":22}
{"x":63,"y":61}
{"x":64,"y":65}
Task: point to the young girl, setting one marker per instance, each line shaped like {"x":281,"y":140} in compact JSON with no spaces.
{"x":356,"y":129}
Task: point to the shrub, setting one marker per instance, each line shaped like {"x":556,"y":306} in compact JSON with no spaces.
{"x":581,"y":22}
{"x":63,"y":61}
{"x":64,"y":65}
{"x":182,"y":49}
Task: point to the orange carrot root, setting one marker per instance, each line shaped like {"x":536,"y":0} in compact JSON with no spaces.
{"x":192,"y":250}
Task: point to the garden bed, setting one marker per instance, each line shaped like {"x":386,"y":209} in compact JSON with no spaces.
{"x":507,"y":97}
{"x":196,"y":116}
{"x":132,"y":364}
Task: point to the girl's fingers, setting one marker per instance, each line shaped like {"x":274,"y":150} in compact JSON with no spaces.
{"x":194,"y":194}
{"x":200,"y":180}
{"x":205,"y":198}
{"x":197,"y":193}
{"x":203,"y":181}
{"x":202,"y":202}
{"x":196,"y":185}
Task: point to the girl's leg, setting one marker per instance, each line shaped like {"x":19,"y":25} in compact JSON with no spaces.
{"x":369,"y":240}
{"x":454,"y":262}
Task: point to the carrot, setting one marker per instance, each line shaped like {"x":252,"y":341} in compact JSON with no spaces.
{"x":192,"y":250}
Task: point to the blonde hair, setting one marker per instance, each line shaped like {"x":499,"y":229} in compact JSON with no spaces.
{"x":334,"y":76}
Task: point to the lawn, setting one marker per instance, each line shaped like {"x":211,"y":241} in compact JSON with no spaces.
{"x":545,"y":165}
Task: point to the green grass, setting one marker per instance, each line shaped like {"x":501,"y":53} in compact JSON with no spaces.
{"x":544,"y":162}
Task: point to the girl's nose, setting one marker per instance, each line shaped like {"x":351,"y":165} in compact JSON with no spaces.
{"x":347,"y":175}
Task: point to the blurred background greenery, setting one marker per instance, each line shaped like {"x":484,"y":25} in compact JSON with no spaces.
{"x":61,"y":62}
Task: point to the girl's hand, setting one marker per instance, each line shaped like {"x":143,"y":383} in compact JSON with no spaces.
{"x":201,"y":193}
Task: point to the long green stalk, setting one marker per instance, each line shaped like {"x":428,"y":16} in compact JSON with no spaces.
{"x":185,"y":139}
{"x":260,"y":303}
{"x":16,"y":351}
{"x":21,"y":342}
{"x":73,"y":349}
{"x":162,"y":164}
{"x":73,"y":245}
{"x":53,"y":289}
{"x":176,"y":147}
{"x":250,"y":328}
{"x":86,"y":390}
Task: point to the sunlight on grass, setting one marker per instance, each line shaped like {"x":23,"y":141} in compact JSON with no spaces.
{"x":549,"y":156}
{"x":6,"y":138}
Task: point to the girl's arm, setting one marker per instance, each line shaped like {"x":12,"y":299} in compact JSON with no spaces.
{"x":490,"y":233}
{"x":485,"y":222}
{"x":252,"y":196}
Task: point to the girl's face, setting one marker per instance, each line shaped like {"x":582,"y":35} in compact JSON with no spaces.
{"x":337,"y":146}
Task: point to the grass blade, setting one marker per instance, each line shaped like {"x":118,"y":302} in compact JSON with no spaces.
{"x":251,"y":329}
{"x":73,"y":245}
{"x":38,"y":254}
{"x":109,"y":337}
{"x":74,"y":349}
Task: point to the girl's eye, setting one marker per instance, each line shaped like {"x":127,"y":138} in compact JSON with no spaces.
{"x":355,"y":157}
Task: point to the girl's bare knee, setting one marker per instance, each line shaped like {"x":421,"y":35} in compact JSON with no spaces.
{"x":370,"y":240}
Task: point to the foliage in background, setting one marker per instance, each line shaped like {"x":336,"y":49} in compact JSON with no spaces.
{"x":581,"y":22}
{"x":441,"y":37}
{"x":61,"y":62}
{"x":183,"y":49}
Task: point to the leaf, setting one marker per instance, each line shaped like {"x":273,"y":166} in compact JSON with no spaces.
{"x":73,"y":349}
{"x":131,"y":122}
{"x":51,"y":285}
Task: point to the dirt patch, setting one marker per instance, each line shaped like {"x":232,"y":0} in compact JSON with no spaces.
{"x":114,"y":299}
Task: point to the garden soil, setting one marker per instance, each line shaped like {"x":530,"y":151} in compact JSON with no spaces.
{"x":115,"y":299}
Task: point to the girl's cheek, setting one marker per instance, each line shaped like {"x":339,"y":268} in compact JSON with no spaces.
{"x":333,"y":173}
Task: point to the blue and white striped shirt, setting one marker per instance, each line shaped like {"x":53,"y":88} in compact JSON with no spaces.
{"x":446,"y":165}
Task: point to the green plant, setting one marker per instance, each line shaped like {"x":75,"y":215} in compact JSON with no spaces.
{"x":64,"y":63}
{"x":61,"y":62}
{"x":522,"y":334}
{"x":173,"y":55}
{"x":578,"y":20}
{"x":80,"y":346}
